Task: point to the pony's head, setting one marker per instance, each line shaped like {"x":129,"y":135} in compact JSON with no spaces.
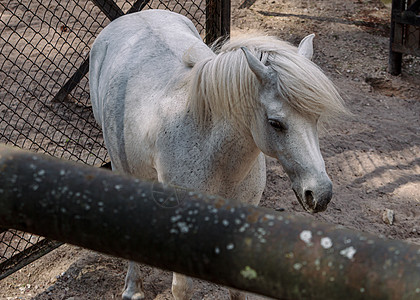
{"x":273,"y":91}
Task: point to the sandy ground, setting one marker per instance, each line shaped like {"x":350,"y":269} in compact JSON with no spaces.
{"x":372,"y":157}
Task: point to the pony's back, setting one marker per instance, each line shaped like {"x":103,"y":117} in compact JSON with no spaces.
{"x":137,"y":53}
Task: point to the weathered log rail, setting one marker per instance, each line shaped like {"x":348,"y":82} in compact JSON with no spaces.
{"x":245,"y":247}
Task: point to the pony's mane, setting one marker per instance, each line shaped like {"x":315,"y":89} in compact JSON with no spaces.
{"x":223,"y":86}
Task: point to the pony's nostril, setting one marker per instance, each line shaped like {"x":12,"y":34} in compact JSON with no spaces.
{"x":309,"y":198}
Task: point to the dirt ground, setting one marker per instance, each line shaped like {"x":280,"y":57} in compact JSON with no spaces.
{"x":372,"y":157}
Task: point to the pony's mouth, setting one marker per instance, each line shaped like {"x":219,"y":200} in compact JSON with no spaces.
{"x":304,"y":205}
{"x":309,"y":203}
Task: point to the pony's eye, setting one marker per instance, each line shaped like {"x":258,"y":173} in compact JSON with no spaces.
{"x":277,"y":125}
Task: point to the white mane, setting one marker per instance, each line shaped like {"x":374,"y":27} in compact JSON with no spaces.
{"x":223,"y":86}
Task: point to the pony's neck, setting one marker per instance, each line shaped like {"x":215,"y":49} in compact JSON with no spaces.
{"x":236,"y":151}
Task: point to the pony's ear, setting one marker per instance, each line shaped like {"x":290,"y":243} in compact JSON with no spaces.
{"x":306,"y":47}
{"x":257,"y":67}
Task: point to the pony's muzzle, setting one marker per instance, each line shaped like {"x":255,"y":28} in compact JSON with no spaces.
{"x":314,"y":198}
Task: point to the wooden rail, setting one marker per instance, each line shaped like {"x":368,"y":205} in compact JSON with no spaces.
{"x":249,"y":248}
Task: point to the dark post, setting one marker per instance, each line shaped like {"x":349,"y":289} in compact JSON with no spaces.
{"x":225,"y":21}
{"x":395,"y":58}
{"x":217,"y":20}
{"x":245,"y":247}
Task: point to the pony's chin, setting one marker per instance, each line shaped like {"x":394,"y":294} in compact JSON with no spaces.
{"x":305,"y":207}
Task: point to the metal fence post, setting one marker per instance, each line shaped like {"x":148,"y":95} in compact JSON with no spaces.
{"x":217,"y":20}
{"x":395,"y":58}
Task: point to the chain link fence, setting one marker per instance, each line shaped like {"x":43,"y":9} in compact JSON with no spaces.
{"x":44,"y":92}
{"x":405,"y":32}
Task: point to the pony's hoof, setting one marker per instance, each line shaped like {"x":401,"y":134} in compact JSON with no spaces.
{"x":132,"y":295}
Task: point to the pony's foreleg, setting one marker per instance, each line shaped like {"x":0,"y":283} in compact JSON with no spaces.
{"x":182,"y":287}
{"x":133,"y":289}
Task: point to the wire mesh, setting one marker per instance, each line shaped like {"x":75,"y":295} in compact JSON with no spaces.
{"x":42,"y":44}
{"x":44,"y":95}
{"x":405,"y":32}
{"x":17,"y":249}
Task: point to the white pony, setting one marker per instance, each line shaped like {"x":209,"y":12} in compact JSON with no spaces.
{"x":174,"y":111}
